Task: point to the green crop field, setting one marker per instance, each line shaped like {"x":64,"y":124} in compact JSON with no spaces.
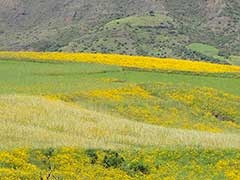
{"x":211,"y":51}
{"x":235,"y":60}
{"x":204,"y":48}
{"x":69,"y":120}
{"x":59,"y":77}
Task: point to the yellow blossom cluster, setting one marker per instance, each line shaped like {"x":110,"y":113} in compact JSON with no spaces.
{"x":230,"y":167}
{"x":142,"y":164}
{"x":125,"y":61}
{"x":120,"y":93}
{"x":111,"y":80}
{"x":15,"y":165}
{"x":177,"y":106}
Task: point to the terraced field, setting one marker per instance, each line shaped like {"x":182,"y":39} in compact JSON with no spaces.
{"x":83,"y":116}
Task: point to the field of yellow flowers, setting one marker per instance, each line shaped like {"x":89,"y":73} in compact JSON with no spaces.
{"x":125,"y":61}
{"x":145,"y":164}
{"x":168,"y":105}
{"x":71,"y":116}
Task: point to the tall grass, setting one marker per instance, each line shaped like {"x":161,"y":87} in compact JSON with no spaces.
{"x":37,"y":122}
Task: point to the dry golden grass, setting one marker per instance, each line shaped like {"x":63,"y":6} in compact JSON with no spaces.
{"x":38,"y":122}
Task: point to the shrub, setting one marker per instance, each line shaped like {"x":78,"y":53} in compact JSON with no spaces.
{"x":93,"y":155}
{"x":48,"y":152}
{"x":139,"y":167}
{"x":112,"y":159}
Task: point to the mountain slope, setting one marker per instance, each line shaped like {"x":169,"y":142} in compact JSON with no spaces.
{"x":163,"y":28}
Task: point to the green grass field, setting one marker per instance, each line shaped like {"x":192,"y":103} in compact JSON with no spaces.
{"x":235,"y":60}
{"x":64,"y":120}
{"x":211,"y":51}
{"x":207,"y":50}
{"x":140,"y":21}
{"x":204,"y":48}
{"x":49,"y":78}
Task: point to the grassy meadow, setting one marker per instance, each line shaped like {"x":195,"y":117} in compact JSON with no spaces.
{"x":213,"y":52}
{"x":101,"y":118}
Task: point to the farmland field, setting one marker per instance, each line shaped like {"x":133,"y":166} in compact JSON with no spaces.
{"x":204,"y":48}
{"x":235,"y":60}
{"x":113,"y":117}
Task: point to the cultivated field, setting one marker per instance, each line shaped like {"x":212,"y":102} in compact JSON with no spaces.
{"x":96,"y":116}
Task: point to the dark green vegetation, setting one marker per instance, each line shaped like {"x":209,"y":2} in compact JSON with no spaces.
{"x":162,"y":28}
